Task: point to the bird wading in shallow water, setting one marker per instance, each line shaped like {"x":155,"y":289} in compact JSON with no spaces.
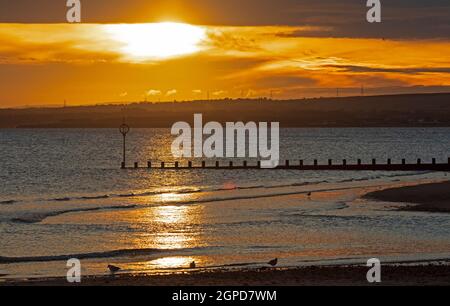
{"x":113,"y":269}
{"x":273,"y":262}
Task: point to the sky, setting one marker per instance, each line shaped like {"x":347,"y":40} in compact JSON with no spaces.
{"x":165,"y":50}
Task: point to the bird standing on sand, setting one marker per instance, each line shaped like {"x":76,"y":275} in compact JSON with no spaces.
{"x":113,"y":269}
{"x":273,"y":262}
{"x":192,"y":265}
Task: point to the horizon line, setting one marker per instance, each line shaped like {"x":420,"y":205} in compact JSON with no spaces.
{"x":267,"y":99}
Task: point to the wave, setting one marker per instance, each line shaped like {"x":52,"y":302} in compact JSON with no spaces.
{"x":193,"y":190}
{"x":95,"y":255}
{"x":297,"y":184}
{"x":261,"y":196}
{"x":122,"y":195}
{"x":95,"y":197}
{"x":61,"y":199}
{"x":266,"y":186}
{"x":39,"y":217}
{"x":376,"y":177}
{"x":400,"y":174}
{"x":36,"y":218}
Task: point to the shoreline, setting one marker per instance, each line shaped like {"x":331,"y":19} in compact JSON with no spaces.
{"x":430,"y":197}
{"x":425,"y":197}
{"x":423,"y":274}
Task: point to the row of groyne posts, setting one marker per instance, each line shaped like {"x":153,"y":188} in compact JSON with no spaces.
{"x":299,"y":165}
{"x":420,"y":165}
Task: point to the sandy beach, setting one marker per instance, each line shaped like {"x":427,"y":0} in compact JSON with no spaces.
{"x":428,"y":274}
{"x":426,"y":198}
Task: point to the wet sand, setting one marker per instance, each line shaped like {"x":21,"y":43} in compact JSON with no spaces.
{"x":436,"y":274}
{"x":427,"y":197}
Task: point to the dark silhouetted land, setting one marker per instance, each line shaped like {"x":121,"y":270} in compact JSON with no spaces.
{"x":428,"y":197}
{"x":377,"y":111}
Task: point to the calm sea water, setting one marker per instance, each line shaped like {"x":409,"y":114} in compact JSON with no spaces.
{"x":62,"y":195}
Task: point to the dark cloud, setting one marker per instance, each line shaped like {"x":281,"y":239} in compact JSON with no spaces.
{"x":364,"y":69}
{"x":346,"y":18}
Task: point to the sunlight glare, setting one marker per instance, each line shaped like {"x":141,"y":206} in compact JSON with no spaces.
{"x":157,"y":40}
{"x":173,"y":262}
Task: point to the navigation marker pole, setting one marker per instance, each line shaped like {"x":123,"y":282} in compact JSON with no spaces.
{"x":124,"y":129}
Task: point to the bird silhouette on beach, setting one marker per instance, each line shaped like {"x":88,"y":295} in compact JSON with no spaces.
{"x":113,"y":269}
{"x":273,"y":262}
{"x":192,"y":265}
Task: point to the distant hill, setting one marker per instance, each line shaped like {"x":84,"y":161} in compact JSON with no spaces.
{"x":374,"y":111}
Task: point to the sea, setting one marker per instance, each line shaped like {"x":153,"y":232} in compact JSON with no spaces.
{"x":63,"y":195}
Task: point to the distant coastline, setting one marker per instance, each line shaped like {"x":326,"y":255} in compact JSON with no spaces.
{"x":412,"y":110}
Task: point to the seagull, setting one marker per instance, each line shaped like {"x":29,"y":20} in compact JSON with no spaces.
{"x":113,"y":269}
{"x":273,"y":262}
{"x":192,"y":265}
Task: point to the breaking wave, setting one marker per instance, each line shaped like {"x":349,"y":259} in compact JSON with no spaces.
{"x":39,"y":217}
{"x":193,"y":190}
{"x":95,"y":255}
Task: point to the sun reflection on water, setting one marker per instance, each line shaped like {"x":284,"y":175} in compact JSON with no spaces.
{"x":175,"y":262}
{"x":170,"y":227}
{"x":174,"y":197}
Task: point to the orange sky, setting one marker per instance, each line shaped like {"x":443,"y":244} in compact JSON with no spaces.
{"x":45,"y":64}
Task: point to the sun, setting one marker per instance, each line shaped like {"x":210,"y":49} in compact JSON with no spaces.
{"x":157,"y":40}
